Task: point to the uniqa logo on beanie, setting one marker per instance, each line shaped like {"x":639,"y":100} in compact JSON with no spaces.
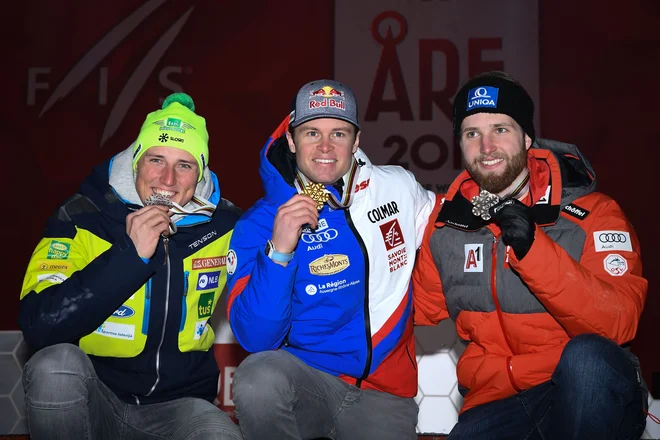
{"x":175,"y":125}
{"x":482,"y":97}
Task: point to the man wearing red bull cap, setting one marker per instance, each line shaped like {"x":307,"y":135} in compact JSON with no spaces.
{"x":542,"y":276}
{"x":319,"y":283}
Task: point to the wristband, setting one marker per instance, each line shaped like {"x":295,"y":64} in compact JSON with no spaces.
{"x":278,"y":257}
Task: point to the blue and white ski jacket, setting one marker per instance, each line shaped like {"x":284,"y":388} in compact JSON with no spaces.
{"x":343,"y":304}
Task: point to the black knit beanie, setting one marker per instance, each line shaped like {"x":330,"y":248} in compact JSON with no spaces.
{"x":494,"y":92}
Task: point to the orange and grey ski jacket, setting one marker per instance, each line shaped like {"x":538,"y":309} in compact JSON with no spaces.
{"x":583,"y":274}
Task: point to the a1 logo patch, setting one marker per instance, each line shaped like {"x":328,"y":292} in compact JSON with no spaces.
{"x":474,"y":259}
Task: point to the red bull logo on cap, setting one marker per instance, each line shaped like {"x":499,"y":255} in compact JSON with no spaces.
{"x":327,"y":92}
{"x":329,"y":97}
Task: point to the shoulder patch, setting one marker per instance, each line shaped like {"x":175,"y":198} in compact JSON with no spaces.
{"x":78,"y":204}
{"x":607,"y":241}
{"x":576,"y":211}
{"x":226,"y":205}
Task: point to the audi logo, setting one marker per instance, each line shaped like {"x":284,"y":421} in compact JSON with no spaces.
{"x":320,"y":237}
{"x":612,"y":238}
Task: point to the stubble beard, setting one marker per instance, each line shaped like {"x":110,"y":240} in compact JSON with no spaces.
{"x":496,"y":183}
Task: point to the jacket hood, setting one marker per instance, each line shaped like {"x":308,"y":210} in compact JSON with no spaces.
{"x":559,"y":173}
{"x":571,"y":173}
{"x":277,"y":167}
{"x":111,"y":186}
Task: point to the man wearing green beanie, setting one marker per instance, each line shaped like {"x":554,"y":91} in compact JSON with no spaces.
{"x":118,"y":294}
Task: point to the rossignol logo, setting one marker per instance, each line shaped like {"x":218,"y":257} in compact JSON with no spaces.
{"x":203,"y":240}
{"x":576,"y":211}
{"x":92,"y":60}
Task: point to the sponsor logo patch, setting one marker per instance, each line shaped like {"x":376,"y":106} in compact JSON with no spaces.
{"x":55,"y":278}
{"x":474,"y":257}
{"x":397,"y":259}
{"x":58,"y":250}
{"x":481,"y":97}
{"x":333,"y":286}
{"x":123,"y":312}
{"x":205,"y":305}
{"x":208,"y":263}
{"x":615,"y":265}
{"x":200,"y":329}
{"x":52,"y":265}
{"x":311,"y":289}
{"x":392,"y":235}
{"x":231,"y":261}
{"x":320,"y":237}
{"x":576,"y":211}
{"x":329,"y":264}
{"x":117,"y":331}
{"x":208,"y":280}
{"x":323,"y":224}
{"x":546,"y":197}
{"x":606,"y":241}
{"x":382,"y":212}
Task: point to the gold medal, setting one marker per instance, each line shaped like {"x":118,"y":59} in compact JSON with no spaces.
{"x":321,"y":196}
{"x":318,"y":193}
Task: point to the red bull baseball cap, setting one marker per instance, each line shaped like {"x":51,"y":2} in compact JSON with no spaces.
{"x":324,"y":99}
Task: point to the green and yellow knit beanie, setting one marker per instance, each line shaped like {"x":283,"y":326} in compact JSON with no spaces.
{"x":175,"y":125}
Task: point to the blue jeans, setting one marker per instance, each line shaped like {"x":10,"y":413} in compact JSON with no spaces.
{"x":278,"y":396}
{"x":65,"y":399}
{"x":595,"y":392}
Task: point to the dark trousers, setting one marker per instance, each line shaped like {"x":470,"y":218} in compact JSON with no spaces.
{"x":595,"y":393}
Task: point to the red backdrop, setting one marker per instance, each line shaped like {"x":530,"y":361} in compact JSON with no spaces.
{"x":243,"y":61}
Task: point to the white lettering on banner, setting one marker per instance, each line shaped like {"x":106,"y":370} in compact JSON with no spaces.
{"x":406,"y":61}
{"x":98,"y":53}
{"x":228,"y":396}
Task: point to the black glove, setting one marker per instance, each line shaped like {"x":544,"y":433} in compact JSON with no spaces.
{"x":517,"y":224}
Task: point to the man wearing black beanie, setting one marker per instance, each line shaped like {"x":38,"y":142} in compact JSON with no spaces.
{"x":542,"y":276}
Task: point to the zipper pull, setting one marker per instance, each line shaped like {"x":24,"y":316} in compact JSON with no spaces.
{"x":166,"y":244}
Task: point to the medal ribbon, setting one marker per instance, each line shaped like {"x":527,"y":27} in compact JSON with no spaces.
{"x":321,"y":195}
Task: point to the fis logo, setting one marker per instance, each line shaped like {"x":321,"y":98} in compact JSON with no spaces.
{"x":96,"y":55}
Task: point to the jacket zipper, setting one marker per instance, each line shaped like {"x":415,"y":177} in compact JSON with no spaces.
{"x":162,"y":335}
{"x":500,"y":315}
{"x":367,"y":317}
